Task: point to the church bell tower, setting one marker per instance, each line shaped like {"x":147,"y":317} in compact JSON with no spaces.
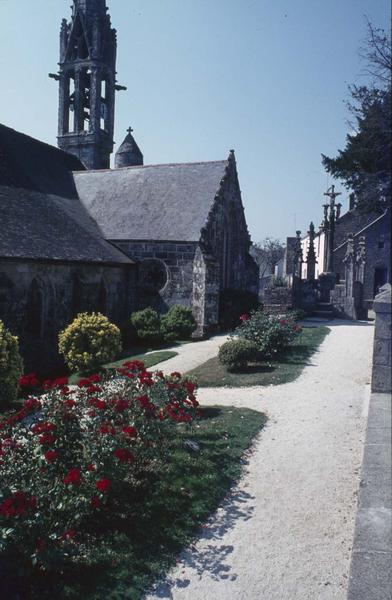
{"x":87,"y":80}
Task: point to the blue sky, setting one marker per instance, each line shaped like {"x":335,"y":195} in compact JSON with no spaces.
{"x":265,"y":77}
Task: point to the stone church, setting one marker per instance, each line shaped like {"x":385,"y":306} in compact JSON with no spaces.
{"x":77,"y":235}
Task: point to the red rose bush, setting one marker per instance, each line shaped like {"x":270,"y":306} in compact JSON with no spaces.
{"x":72,"y":454}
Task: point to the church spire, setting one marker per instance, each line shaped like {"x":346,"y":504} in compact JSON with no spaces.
{"x":87,"y":76}
{"x":129,"y":153}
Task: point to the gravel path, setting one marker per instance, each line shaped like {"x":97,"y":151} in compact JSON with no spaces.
{"x":285,"y":531}
{"x":191,"y":355}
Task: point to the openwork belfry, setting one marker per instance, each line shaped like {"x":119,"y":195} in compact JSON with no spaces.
{"x":87,"y":84}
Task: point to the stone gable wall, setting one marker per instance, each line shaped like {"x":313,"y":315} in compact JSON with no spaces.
{"x":177,"y":258}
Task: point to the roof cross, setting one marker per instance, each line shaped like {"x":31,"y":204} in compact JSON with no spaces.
{"x":129,"y":130}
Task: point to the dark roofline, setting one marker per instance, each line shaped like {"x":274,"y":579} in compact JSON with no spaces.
{"x":61,"y":261}
{"x":368,"y":226}
{"x":40,"y":142}
{"x":115,"y":241}
{"x":200,"y":162}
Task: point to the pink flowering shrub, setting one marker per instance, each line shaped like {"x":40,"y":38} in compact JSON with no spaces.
{"x":272,"y":334}
{"x":67,"y":456}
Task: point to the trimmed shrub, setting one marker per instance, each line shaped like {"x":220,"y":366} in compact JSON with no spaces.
{"x":147,"y":325}
{"x":178,"y":323}
{"x":90,"y":341}
{"x":233,"y":304}
{"x":11,"y":366}
{"x":236,"y":354}
{"x":271,"y":334}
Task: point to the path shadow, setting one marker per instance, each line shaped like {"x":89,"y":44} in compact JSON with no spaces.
{"x":212,"y":558}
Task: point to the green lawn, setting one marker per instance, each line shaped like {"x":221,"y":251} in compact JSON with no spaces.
{"x":141,"y":539}
{"x":284,"y":369}
{"x":149,"y":360}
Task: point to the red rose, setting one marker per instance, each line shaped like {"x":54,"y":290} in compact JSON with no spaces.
{"x":124,"y":455}
{"x":17,"y":505}
{"x":93,"y":389}
{"x":51,"y":455}
{"x":134,"y":365}
{"x":244,"y":317}
{"x":121,"y":405}
{"x":84,"y":383}
{"x":105,"y":428}
{"x":282,"y":322}
{"x":43,"y":427}
{"x":95,"y":378}
{"x":91,"y":467}
{"x":95,"y":502}
{"x":73,"y":477}
{"x":46,"y":438}
{"x":100,"y":404}
{"x":130,"y":431}
{"x":29,"y":381}
{"x":176,"y":374}
{"x":69,"y":403}
{"x":32,"y":404}
{"x":190,"y":386}
{"x":103,"y":485}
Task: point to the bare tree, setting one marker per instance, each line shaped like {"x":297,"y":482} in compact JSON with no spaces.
{"x":377,"y":54}
{"x":267,"y":254}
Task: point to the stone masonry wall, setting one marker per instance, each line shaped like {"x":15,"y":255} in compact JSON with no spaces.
{"x":378,"y":252}
{"x":37,"y":300}
{"x":277,"y":299}
{"x":175,"y":261}
{"x":381,"y":375}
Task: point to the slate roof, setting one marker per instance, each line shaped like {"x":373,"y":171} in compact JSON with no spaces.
{"x":41,"y":217}
{"x":32,"y":164}
{"x":152,"y":202}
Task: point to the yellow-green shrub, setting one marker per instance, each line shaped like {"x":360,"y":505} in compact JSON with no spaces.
{"x":11,"y":366}
{"x":89,"y":341}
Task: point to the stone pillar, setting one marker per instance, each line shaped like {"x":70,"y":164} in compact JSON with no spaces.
{"x":95,"y":99}
{"x":78,"y":104}
{"x":349,"y":265}
{"x":360,"y":260}
{"x":381,"y":375}
{"x":298,"y":257}
{"x":64,"y":90}
{"x":311,"y":255}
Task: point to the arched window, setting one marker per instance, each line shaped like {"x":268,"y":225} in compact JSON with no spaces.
{"x":76,"y":303}
{"x":35,"y":310}
{"x":103,"y":298}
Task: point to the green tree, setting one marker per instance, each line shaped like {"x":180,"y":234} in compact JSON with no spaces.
{"x":364,"y":165}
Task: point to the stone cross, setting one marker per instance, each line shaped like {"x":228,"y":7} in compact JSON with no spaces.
{"x":331,"y":213}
